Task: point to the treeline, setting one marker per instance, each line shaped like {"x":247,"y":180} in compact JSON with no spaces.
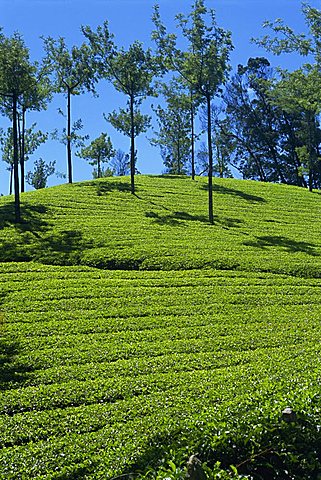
{"x":261,"y":121}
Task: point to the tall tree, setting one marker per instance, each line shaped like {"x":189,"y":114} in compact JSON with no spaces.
{"x":299,"y":93}
{"x":31,"y":141}
{"x":42,"y":170}
{"x":254,"y":121}
{"x":99,"y":151}
{"x":131,"y":122}
{"x":18,"y":77}
{"x":284,"y":39}
{"x":174,"y":135}
{"x":131,"y":72}
{"x":73,"y":74}
{"x":36,"y":99}
{"x":204,"y":66}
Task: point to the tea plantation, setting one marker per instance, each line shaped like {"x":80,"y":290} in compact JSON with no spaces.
{"x":135,"y":335}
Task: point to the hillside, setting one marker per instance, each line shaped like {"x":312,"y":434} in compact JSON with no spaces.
{"x":258,"y":227}
{"x":187,"y":339}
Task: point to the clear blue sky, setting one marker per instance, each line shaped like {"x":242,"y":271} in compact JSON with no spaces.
{"x":129,"y":20}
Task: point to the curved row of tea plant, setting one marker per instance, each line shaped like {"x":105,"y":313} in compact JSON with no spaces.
{"x":258,"y":227}
{"x":111,"y":372}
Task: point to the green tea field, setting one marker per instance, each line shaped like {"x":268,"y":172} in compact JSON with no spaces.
{"x":134,"y":334}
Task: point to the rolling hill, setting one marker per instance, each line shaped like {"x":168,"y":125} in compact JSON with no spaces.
{"x":134,"y":334}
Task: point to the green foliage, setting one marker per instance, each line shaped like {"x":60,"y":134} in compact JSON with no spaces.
{"x":71,"y":69}
{"x":42,"y":170}
{"x":204,"y":65}
{"x":285,"y":40}
{"x":300,"y":90}
{"x":17,"y":73}
{"x":99,"y":151}
{"x":194,"y":344}
{"x":18,"y":81}
{"x":120,"y":164}
{"x":72,"y":73}
{"x":133,"y":70}
{"x":174,"y":135}
{"x":121,"y":121}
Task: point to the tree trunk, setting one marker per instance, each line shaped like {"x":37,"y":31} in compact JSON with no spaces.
{"x":310,"y":150}
{"x":178,"y":156}
{"x":210,"y":160}
{"x":98,"y":167}
{"x":220,"y":161}
{"x":193,"y":137}
{"x":300,"y":180}
{"x":15,"y":159}
{"x":69,"y":162}
{"x":22,"y":152}
{"x":11,"y":180}
{"x":132,"y":146}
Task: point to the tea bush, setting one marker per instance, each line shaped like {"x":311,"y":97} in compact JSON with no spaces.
{"x":134,"y":335}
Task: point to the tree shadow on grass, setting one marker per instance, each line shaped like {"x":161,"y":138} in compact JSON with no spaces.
{"x":228,"y":222}
{"x":62,"y":248}
{"x":107,"y":186}
{"x":291,"y":246}
{"x":170,"y":176}
{"x":175,"y":219}
{"x":11,"y":373}
{"x":237,"y":193}
{"x":32,"y":217}
{"x":179,"y":219}
{"x":35,"y":239}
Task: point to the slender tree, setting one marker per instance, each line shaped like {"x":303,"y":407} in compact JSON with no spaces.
{"x":6,"y":145}
{"x":37,"y":99}
{"x":42,"y":170}
{"x":131,"y":72}
{"x":18,"y":77}
{"x":99,"y":151}
{"x":174,"y":134}
{"x":204,"y":66}
{"x":73,"y":74}
{"x":299,"y":93}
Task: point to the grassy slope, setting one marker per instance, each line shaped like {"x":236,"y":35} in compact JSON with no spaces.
{"x":99,"y":367}
{"x":257,"y":226}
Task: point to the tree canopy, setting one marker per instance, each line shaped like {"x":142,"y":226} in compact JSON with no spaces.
{"x":260,"y":121}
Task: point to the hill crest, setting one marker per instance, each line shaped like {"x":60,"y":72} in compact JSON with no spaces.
{"x":257,"y":226}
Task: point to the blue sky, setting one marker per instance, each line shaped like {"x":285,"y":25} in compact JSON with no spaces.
{"x":129,"y":20}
